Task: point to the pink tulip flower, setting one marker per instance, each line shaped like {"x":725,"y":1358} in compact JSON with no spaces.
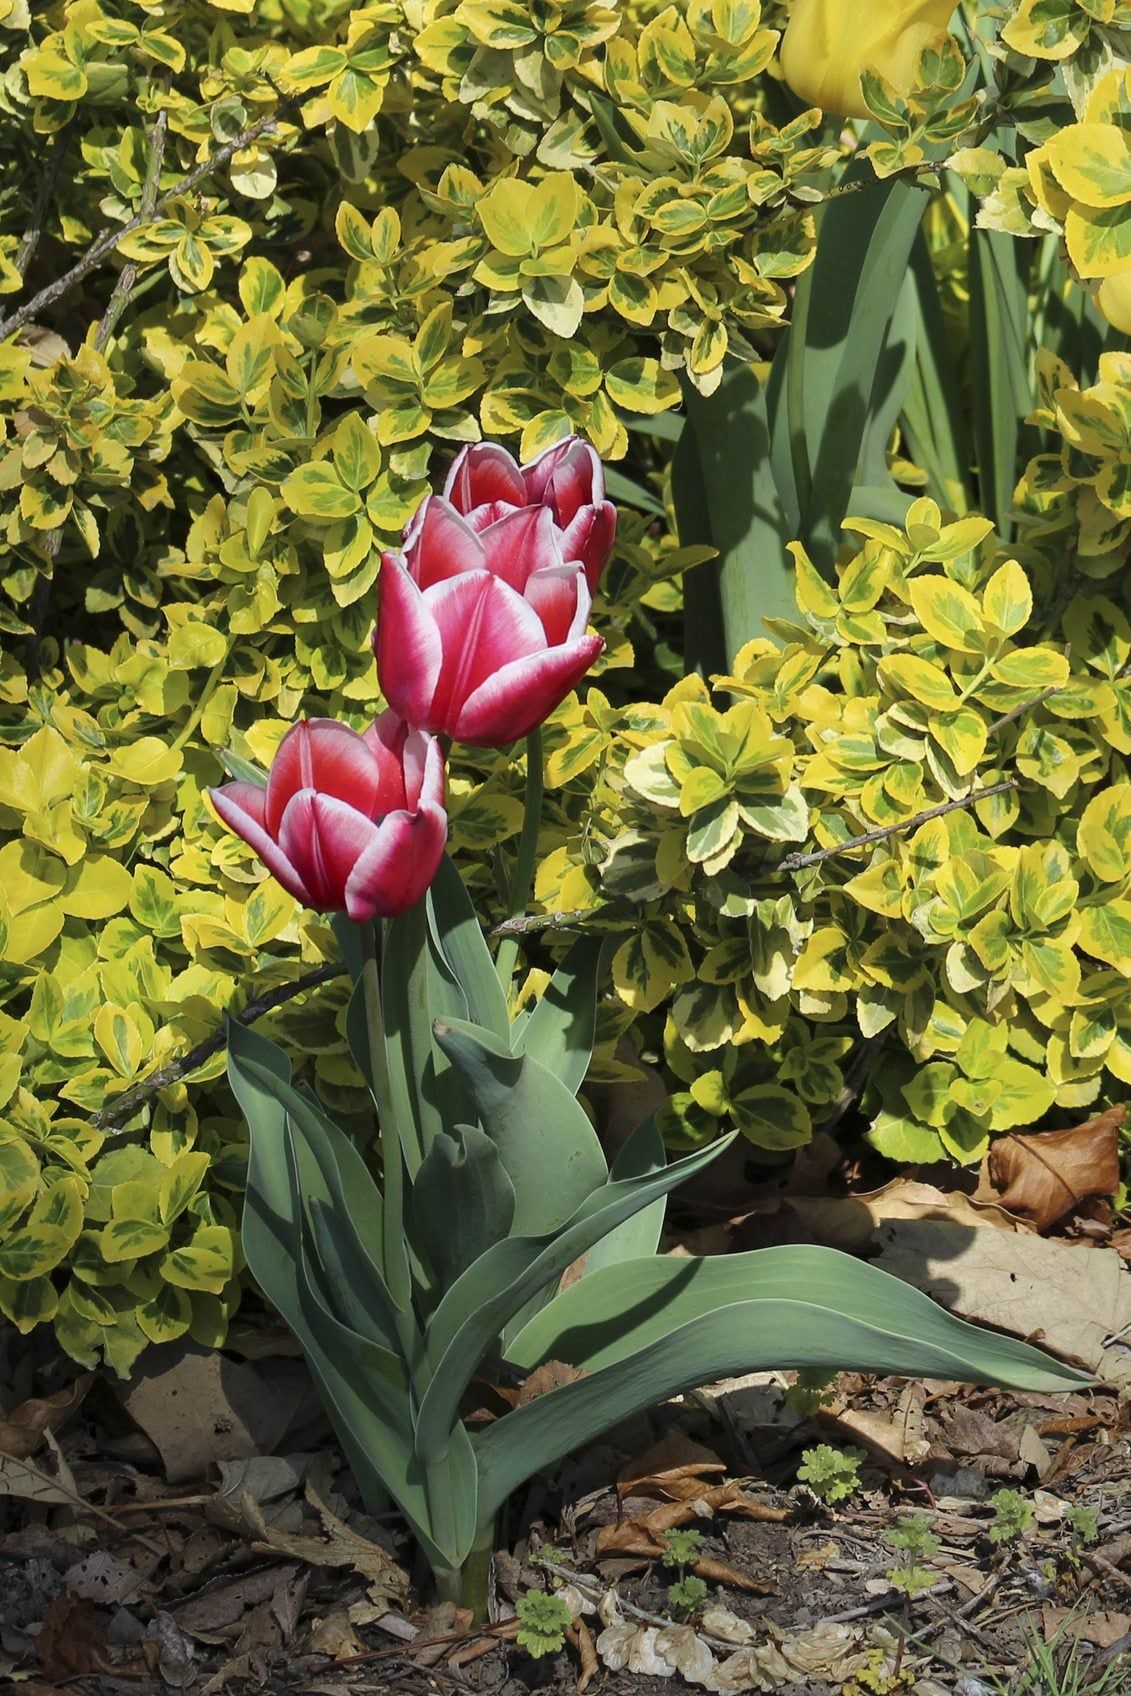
{"x":485,"y":481}
{"x":347,"y":822}
{"x":482,"y":619}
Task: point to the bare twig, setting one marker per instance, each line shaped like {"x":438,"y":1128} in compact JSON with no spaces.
{"x":1025,"y":707}
{"x":127,"y":276}
{"x":797,"y":862}
{"x":107,"y":240}
{"x":527,"y":923}
{"x":49,"y":177}
{"x":123,"y":1107}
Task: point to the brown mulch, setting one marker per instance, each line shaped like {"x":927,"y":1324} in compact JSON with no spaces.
{"x":196,"y":1531}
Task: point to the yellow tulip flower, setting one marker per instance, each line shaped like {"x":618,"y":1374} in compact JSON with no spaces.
{"x":1114,"y":300}
{"x":829,"y":42}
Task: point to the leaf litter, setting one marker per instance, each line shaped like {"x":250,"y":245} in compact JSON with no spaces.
{"x":200,"y":1533}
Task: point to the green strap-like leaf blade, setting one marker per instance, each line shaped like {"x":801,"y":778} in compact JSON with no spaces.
{"x":474,"y":1311}
{"x":549,"y":1150}
{"x":463,"y":1201}
{"x":795,"y":1307}
{"x":560,"y":1031}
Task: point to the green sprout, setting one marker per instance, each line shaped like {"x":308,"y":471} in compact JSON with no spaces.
{"x":1013,"y":1515}
{"x":688,"y":1595}
{"x":542,"y":1622}
{"x":681,"y":1548}
{"x":832,"y":1474}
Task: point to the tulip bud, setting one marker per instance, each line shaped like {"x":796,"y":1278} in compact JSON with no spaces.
{"x":485,"y":481}
{"x":347,"y":823}
{"x":828,"y":43}
{"x":482,"y":619}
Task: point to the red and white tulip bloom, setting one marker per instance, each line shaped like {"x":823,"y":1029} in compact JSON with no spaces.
{"x":347,"y":823}
{"x":485,"y":482}
{"x":482,"y":620}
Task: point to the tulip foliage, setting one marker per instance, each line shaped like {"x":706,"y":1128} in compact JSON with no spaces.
{"x":266,"y":268}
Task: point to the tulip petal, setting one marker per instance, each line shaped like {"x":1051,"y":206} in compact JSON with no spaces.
{"x":556,"y":595}
{"x":385,"y":738}
{"x":568,"y":481}
{"x":589,"y":537}
{"x":483,"y":624}
{"x":395,"y":870}
{"x":525,"y":540}
{"x":241,"y":806}
{"x":423,"y":765}
{"x":322,"y":754}
{"x":520,"y":695}
{"x":408,"y":644}
{"x":489,"y":513}
{"x":442,"y":545}
{"x":484,"y":472}
{"x":325,"y":837}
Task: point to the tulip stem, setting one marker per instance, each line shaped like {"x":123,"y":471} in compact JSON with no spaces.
{"x":523,"y":875}
{"x":392,"y":1162}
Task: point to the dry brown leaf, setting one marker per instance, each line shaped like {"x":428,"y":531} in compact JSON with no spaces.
{"x":1071,"y":1299}
{"x":213,"y":1612}
{"x":22,"y":1432}
{"x":1102,"y":1628}
{"x":848,"y":1222}
{"x":551,"y":1375}
{"x":335,"y":1636}
{"x":1044,"y":1176}
{"x":341,"y":1546}
{"x":586,"y":1654}
{"x":675,"y":1467}
{"x":70,"y":1645}
{"x":718,"y":1572}
{"x":201,"y":1408}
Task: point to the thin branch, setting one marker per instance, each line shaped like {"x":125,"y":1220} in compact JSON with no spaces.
{"x":105,"y":243}
{"x":47,"y":184}
{"x":798,"y":862}
{"x":1025,"y":707}
{"x":528,"y":923}
{"x":123,"y":1107}
{"x":127,"y":276}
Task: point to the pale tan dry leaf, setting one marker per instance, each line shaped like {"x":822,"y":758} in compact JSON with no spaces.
{"x":720,"y":1622}
{"x":550,"y":1376}
{"x":632,"y":1648}
{"x":21,"y":1478}
{"x":687,"y":1652}
{"x":718,"y":1572}
{"x":1103,"y":1628}
{"x":849,"y":1222}
{"x":1044,"y":1176}
{"x":22,"y":1432}
{"x":341,"y":1546}
{"x":335,"y":1636}
{"x":1071,"y":1299}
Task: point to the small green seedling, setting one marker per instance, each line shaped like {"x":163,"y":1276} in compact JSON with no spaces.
{"x":688,"y":1595}
{"x":681,"y":1548}
{"x":914,"y":1535}
{"x":832,"y":1474}
{"x":1013,"y":1516}
{"x":1084,"y":1524}
{"x":542,"y":1622}
{"x":810,"y":1392}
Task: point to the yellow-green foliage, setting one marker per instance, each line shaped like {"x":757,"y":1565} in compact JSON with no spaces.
{"x":432,"y":221}
{"x":985,"y":951}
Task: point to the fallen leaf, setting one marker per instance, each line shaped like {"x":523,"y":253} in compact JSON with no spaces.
{"x":201,"y":1408}
{"x":22,"y":1431}
{"x":70,"y":1645}
{"x":721,"y":1623}
{"x":102,"y":1577}
{"x":1044,"y":1176}
{"x":1070,"y":1299}
{"x":586,"y":1654}
{"x":675,"y":1467}
{"x":632,"y":1648}
{"x":644,"y":1534}
{"x":21,"y":1478}
{"x":211,"y":1613}
{"x":340,"y":1547}
{"x":849,"y":1222}
{"x":687,"y":1652}
{"x":550,"y":1376}
{"x":335,"y":1636}
{"x":1103,"y":1628}
{"x":718,"y":1572}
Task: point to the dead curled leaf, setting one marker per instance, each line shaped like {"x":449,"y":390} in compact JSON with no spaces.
{"x":674,"y":1467}
{"x":22,"y":1432}
{"x":644,"y":1534}
{"x":1044,"y":1176}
